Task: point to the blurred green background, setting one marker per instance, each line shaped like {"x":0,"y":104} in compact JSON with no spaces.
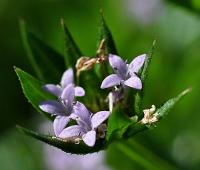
{"x":134,"y":25}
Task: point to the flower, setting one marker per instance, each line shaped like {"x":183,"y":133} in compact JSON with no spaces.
{"x":67,"y":79}
{"x":87,"y":124}
{"x":149,"y":116}
{"x":125,"y":74}
{"x":56,"y":159}
{"x":62,"y":109}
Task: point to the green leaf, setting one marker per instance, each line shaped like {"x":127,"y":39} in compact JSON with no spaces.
{"x":138,"y":103}
{"x":104,"y":33}
{"x":147,"y":62}
{"x":72,"y":51}
{"x":46,"y":62}
{"x":32,"y":89}
{"x":118,"y":122}
{"x":167,"y":106}
{"x":160,"y":113}
{"x":68,"y":146}
{"x":139,"y":95}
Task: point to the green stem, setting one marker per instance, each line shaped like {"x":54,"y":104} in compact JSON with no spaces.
{"x":151,"y":156}
{"x":145,"y":158}
{"x":136,"y":157}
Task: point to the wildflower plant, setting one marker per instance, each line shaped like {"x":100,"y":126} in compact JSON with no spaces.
{"x":91,"y":101}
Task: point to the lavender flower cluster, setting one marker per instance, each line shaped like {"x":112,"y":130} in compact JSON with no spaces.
{"x":89,"y":126}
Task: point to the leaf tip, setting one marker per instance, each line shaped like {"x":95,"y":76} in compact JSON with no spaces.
{"x":62,"y":22}
{"x":16,"y":69}
{"x":154,"y":42}
{"x":101,"y":12}
{"x":188,"y":90}
{"x":21,"y":21}
{"x":21,"y":24}
{"x":102,"y":19}
{"x":63,"y":25}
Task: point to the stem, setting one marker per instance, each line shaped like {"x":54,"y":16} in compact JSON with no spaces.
{"x":136,"y":157}
{"x":148,"y":160}
{"x":140,"y":94}
{"x":151,"y":156}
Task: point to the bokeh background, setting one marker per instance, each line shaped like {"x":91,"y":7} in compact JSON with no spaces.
{"x":134,"y":24}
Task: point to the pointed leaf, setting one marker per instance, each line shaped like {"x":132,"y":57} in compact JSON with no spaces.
{"x":47,"y":63}
{"x":144,"y":73}
{"x":32,"y":89}
{"x":67,"y":145}
{"x":147,"y":62}
{"x":104,"y":33}
{"x":72,"y":51}
{"x":167,"y":106}
{"x":160,"y":113}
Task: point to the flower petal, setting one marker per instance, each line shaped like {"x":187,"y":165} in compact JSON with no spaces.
{"x":110,"y":81}
{"x":118,"y":64}
{"x":134,"y":82}
{"x":89,"y":138}
{"x":82,"y":112}
{"x":59,"y":124}
{"x":68,"y":93}
{"x":136,"y":64}
{"x":53,"y":89}
{"x":79,"y":91}
{"x":53,"y":107}
{"x":99,"y":118}
{"x":71,"y":131}
{"x":67,"y":78}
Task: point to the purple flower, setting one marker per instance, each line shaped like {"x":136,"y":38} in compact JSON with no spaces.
{"x":87,"y":124}
{"x":125,"y":74}
{"x":67,"y":79}
{"x":62,"y":109}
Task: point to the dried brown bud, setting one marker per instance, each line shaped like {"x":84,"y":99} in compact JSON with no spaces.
{"x":85,"y":63}
{"x":101,"y":51}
